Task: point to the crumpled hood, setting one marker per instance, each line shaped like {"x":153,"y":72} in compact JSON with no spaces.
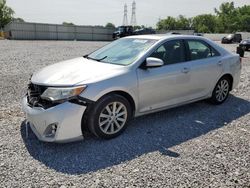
{"x":75,"y":71}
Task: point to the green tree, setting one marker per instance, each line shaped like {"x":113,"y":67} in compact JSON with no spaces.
{"x":68,"y":24}
{"x":245,"y":10}
{"x":231,"y":19}
{"x":183,"y":22}
{"x":244,"y":18}
{"x":171,"y":23}
{"x":167,"y":24}
{"x":227,"y":17}
{"x":6,"y":13}
{"x":110,"y":25}
{"x":205,"y":23}
{"x":245,"y":23}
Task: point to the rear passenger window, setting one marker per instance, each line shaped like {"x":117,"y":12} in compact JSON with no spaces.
{"x":171,"y":52}
{"x":200,"y":50}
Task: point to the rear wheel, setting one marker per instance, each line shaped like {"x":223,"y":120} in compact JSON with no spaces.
{"x":221,"y":91}
{"x":109,"y":116}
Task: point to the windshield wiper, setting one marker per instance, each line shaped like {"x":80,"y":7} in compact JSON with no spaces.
{"x":87,"y":56}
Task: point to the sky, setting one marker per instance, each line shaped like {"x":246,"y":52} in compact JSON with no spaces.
{"x":99,"y":12}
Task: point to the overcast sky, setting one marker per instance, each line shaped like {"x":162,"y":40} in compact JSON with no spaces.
{"x":99,"y":12}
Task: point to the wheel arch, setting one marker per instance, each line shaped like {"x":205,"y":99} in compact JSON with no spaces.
{"x":124,"y":94}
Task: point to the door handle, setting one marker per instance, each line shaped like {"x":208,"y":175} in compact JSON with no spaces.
{"x":219,"y":63}
{"x":185,"y":70}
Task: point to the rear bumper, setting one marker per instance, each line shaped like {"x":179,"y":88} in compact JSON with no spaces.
{"x":66,"y":116}
{"x":236,"y":75}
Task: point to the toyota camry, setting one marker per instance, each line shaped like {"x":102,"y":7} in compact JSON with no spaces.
{"x":133,"y":76}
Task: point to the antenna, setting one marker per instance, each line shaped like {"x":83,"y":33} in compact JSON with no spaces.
{"x":133,"y":17}
{"x":125,"y":16}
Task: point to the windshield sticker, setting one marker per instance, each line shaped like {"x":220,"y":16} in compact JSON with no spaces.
{"x":140,"y":41}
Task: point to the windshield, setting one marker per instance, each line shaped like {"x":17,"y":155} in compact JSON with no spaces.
{"x":121,"y":29}
{"x":123,"y":51}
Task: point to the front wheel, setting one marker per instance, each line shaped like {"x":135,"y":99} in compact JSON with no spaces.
{"x":221,"y":91}
{"x":109,"y":116}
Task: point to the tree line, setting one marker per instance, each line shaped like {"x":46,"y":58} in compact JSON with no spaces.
{"x":7,"y":14}
{"x":227,"y":19}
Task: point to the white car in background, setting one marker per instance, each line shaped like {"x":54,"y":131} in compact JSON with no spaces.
{"x":129,"y":77}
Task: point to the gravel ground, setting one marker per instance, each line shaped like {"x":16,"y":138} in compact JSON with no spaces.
{"x":197,"y":145}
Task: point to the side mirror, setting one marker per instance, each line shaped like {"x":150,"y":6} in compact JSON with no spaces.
{"x":154,"y":62}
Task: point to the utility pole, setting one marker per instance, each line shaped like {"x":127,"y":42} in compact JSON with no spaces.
{"x":133,"y":17}
{"x":125,"y":16}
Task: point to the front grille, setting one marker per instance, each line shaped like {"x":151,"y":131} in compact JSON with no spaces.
{"x":34,"y":96}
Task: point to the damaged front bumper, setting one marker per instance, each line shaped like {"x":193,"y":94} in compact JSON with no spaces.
{"x":60,"y":123}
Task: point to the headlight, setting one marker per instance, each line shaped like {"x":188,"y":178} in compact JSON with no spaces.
{"x":57,"y":94}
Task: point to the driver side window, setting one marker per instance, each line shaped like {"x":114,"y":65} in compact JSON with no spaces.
{"x":170,"y":52}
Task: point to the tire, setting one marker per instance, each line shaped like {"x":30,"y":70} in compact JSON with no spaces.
{"x":221,"y":91}
{"x":105,"y":123}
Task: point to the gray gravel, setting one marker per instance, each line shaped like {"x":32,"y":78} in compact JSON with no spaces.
{"x":197,"y":145}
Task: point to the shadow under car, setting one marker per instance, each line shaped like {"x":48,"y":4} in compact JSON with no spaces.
{"x":154,"y":132}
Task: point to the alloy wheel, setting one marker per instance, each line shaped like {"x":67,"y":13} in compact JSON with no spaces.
{"x":222,"y":90}
{"x":113,"y":117}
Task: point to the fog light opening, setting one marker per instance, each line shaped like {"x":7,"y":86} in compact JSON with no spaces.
{"x":51,"y":130}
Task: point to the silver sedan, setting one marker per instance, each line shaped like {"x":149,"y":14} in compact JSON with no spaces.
{"x":132,"y":76}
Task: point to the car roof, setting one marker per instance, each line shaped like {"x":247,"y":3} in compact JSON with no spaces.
{"x":164,"y":36}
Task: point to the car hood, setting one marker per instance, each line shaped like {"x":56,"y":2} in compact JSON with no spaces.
{"x":75,"y":72}
{"x":246,"y":41}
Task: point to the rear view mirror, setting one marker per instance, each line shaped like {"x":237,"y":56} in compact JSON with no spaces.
{"x":154,"y":62}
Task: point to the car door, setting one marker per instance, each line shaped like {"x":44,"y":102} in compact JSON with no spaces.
{"x":166,"y":85}
{"x":205,"y":68}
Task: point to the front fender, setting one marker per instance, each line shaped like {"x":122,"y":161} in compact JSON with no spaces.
{"x":126,"y":83}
